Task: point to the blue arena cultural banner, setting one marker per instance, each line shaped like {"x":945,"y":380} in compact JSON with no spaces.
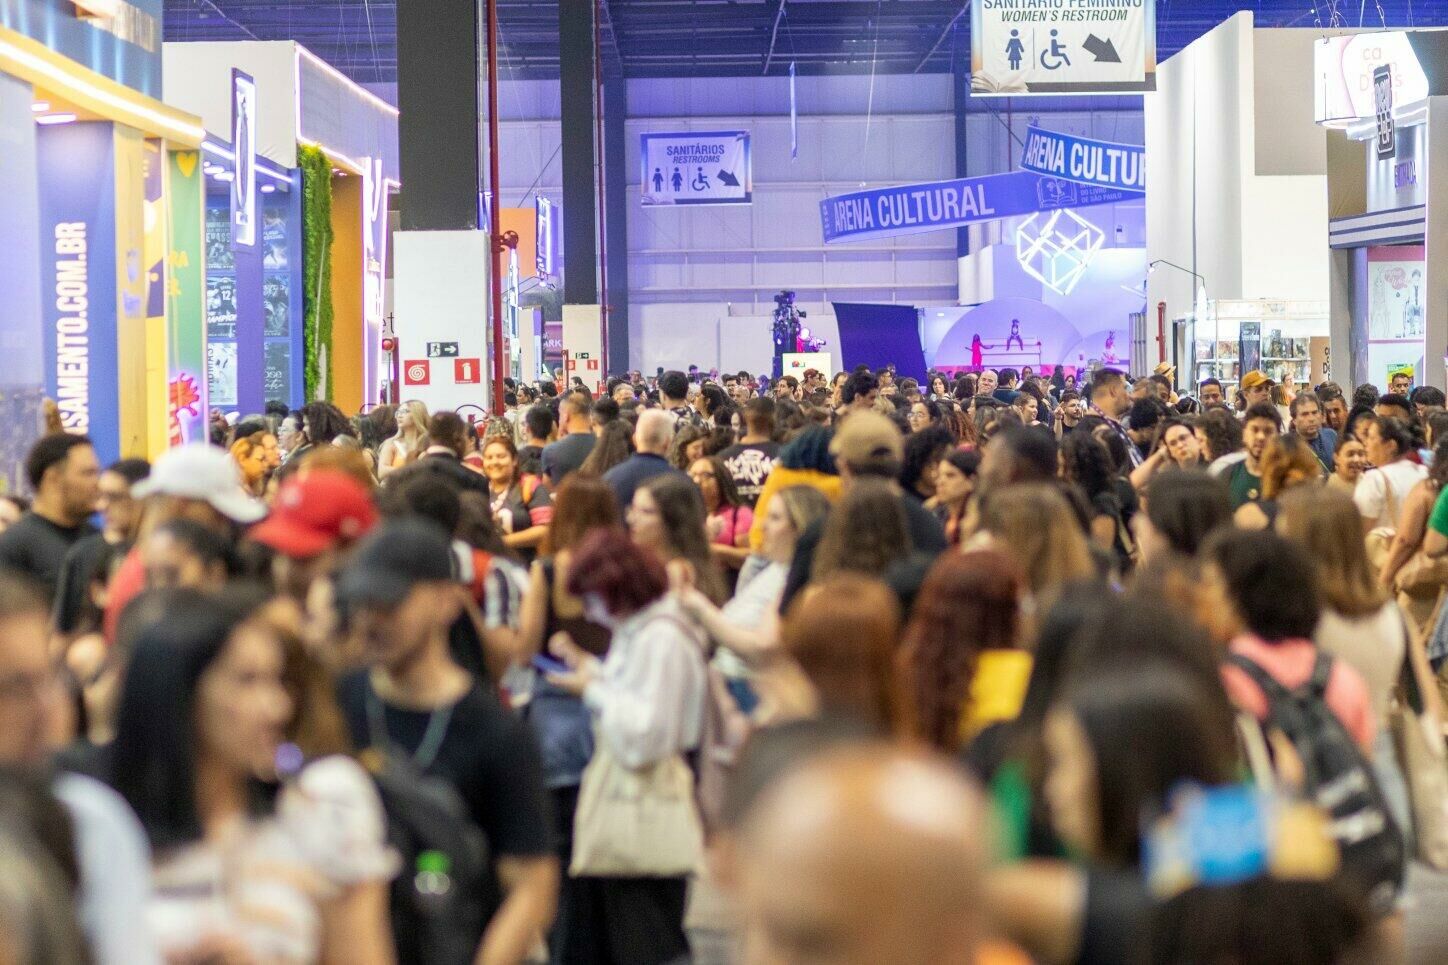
{"x":912,"y":208}
{"x":78,"y":268}
{"x":1103,"y":164}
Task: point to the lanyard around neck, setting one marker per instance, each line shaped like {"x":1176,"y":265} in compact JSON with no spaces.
{"x":432,"y":737}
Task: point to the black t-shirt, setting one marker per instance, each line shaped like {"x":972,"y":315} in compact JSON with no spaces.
{"x":530,"y":460}
{"x":750,"y":464}
{"x":487,"y":753}
{"x":72,"y":589}
{"x":37,"y":547}
{"x":1114,"y":923}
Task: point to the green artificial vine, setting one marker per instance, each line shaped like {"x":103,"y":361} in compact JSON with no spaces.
{"x":316,"y":271}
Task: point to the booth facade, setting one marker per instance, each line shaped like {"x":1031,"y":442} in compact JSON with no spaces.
{"x":1388,"y":200}
{"x":328,"y":148}
{"x":255,"y":352}
{"x":99,"y":181}
{"x":1236,"y":213}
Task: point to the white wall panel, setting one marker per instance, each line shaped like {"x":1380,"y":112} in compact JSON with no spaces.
{"x":1235,"y":169}
{"x":727,"y":259}
{"x":196,"y":77}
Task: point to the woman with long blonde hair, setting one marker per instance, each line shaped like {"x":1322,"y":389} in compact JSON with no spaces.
{"x":1035,"y":525}
{"x":408,"y":443}
{"x":1360,"y":623}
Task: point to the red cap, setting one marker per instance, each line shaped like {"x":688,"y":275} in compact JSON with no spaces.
{"x":314,"y":512}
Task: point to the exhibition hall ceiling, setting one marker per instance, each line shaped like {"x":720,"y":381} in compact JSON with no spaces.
{"x":721,"y":38}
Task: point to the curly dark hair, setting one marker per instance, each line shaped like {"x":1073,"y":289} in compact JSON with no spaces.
{"x":923,"y":449}
{"x":1087,"y":463}
{"x":864,"y":533}
{"x":1223,"y":432}
{"x":324,"y":422}
{"x":968,"y":604}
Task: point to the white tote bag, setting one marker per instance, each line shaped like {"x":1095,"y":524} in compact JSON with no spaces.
{"x":636,"y":823}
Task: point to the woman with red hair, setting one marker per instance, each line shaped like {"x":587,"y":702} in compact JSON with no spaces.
{"x":960,"y":665}
{"x":647,"y":701}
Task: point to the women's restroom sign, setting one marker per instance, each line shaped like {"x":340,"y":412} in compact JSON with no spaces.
{"x":1055,"y":47}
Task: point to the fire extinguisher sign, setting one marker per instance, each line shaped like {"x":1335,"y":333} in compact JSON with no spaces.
{"x":467,"y":371}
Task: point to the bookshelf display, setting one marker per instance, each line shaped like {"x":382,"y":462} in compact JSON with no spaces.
{"x":1238,"y":335}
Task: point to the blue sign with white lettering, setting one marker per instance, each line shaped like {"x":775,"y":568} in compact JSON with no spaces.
{"x":78,"y":265}
{"x":912,"y":208}
{"x":1103,"y":164}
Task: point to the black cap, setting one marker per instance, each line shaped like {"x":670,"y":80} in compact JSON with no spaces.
{"x":394,"y":558}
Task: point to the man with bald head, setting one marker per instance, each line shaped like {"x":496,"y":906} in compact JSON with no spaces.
{"x":652,"y":437}
{"x":866,"y":855}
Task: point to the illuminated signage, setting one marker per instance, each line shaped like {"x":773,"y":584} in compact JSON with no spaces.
{"x":1344,"y":89}
{"x":1383,"y":103}
{"x":78,"y":225}
{"x":243,"y":143}
{"x":544,"y":222}
{"x":374,"y":239}
{"x":1057,"y":251}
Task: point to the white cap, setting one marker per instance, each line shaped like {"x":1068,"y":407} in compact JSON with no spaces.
{"x":205,"y":473}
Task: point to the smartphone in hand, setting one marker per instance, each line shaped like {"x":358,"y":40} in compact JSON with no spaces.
{"x":545,"y":664}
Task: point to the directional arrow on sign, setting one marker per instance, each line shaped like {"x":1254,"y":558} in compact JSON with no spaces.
{"x":1103,"y":50}
{"x":726,"y":177}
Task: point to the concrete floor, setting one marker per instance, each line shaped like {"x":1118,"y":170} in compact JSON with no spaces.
{"x":1425,"y":917}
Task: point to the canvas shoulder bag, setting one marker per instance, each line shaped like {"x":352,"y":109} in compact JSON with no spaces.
{"x":636,"y":822}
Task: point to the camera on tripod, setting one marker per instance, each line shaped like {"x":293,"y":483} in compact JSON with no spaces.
{"x":785,"y":302}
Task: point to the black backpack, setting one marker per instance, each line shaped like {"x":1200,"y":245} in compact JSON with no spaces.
{"x":443,"y":895}
{"x":1338,"y":779}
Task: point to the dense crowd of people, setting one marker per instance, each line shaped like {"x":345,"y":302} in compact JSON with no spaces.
{"x":990,"y":667}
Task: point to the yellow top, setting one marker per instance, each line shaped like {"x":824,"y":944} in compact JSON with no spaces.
{"x":782,"y":478}
{"x":996,"y":691}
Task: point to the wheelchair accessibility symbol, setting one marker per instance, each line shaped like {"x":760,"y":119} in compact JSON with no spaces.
{"x":1054,"y":57}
